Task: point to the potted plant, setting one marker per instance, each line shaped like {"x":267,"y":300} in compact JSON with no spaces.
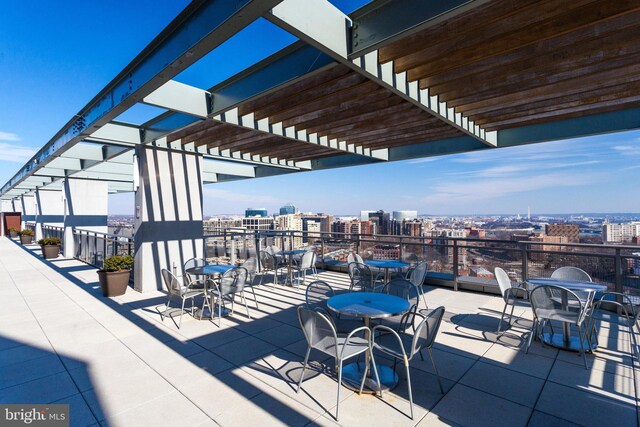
{"x":50,"y":247}
{"x":114,"y":277}
{"x":13,"y":232}
{"x":26,"y":236}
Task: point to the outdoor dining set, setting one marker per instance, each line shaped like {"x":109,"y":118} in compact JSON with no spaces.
{"x":384,"y":311}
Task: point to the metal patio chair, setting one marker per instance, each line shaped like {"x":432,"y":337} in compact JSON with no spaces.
{"x":231,"y":283}
{"x":417,"y":276}
{"x":512,"y":295}
{"x":362,"y":279}
{"x":403,"y":346}
{"x":627,"y":315}
{"x":251,"y":265}
{"x":555,"y":303}
{"x":408,"y":291}
{"x":177,"y":289}
{"x":571,"y":273}
{"x":268,"y":263}
{"x":316,"y":296}
{"x":320,"y":333}
{"x":307,"y":262}
{"x":192,"y":263}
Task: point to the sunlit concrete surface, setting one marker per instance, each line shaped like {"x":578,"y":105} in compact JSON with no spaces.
{"x":117,"y":363}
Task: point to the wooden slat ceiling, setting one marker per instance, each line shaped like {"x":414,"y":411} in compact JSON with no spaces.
{"x":511,"y":63}
{"x":337,"y":103}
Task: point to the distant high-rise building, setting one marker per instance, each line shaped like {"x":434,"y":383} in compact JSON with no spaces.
{"x":257,"y":223}
{"x":325,"y":221}
{"x":570,"y":231}
{"x":364,"y":215}
{"x":617,"y":233}
{"x":381,"y":219}
{"x":404,"y":215}
{"x":287,"y":209}
{"x":255,"y":212}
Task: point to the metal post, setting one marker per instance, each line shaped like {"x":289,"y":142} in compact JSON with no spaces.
{"x":358,"y":244}
{"x":322,"y":247}
{"x":525,"y":260}
{"x":455,"y":265}
{"x":619,"y":272}
{"x":400,"y":251}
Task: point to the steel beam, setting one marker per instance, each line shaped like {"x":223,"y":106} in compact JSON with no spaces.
{"x":181,"y":98}
{"x":200,"y":28}
{"x":382,"y":22}
{"x":616,"y":121}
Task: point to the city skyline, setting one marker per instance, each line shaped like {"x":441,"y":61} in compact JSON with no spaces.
{"x":53,"y":73}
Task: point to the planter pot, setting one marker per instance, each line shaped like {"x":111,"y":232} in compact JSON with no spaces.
{"x":114,"y":283}
{"x":26,"y":240}
{"x":50,"y":251}
{"x":13,"y":234}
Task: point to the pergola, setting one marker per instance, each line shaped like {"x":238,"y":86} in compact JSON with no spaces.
{"x":393,"y":80}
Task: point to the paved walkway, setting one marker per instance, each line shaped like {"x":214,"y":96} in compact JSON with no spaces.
{"x":117,"y":364}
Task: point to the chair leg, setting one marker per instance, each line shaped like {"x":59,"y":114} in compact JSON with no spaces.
{"x":534,"y":329}
{"x":504,"y":310}
{"x":406,"y":365}
{"x":364,"y":377}
{"x":304,"y":367}
{"x":245,"y":304}
{"x":375,"y":372}
{"x":181,"y":312}
{"x":339,"y":387}
{"x":166,"y":307}
{"x":511,"y":315}
{"x":435,"y":369}
{"x":255,"y":298}
{"x":582,"y":352}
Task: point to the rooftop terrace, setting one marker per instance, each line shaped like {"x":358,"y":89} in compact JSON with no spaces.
{"x":117,"y":363}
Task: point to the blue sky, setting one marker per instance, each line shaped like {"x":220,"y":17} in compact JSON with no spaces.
{"x":54,"y":61}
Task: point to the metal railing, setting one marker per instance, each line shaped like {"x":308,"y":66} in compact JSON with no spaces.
{"x":457,"y":262}
{"x":94,"y":247}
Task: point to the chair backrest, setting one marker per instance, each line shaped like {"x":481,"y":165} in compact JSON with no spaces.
{"x":308,"y":260}
{"x":267,"y":261}
{"x":503,"y":280}
{"x":427,"y":330}
{"x":571,"y":273}
{"x":251,"y":264}
{"x":192,"y":263}
{"x":418,"y":274}
{"x":361,"y":277}
{"x":171,"y":282}
{"x":233,"y":281}
{"x":404,"y":289}
{"x":354,"y":257}
{"x":556,"y":303}
{"x":270,"y":250}
{"x":317,"y":293}
{"x":318,"y":330}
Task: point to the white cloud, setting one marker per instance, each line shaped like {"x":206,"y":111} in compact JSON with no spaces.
{"x":487,"y":189}
{"x":14,"y":153}
{"x":8,"y":136}
{"x":423,"y":160}
{"x":628,"y":150}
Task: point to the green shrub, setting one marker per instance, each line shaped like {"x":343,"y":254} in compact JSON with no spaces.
{"x":49,"y":241}
{"x":14,"y":229}
{"x":27,"y":232}
{"x":118,"y":263}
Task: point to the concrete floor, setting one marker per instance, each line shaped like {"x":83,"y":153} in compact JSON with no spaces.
{"x":117,"y":363}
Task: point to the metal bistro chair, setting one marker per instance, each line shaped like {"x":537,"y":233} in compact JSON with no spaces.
{"x":627,"y":316}
{"x":408,"y":291}
{"x":192,"y":263}
{"x":571,"y":273}
{"x":308,"y":262}
{"x":403,"y":346}
{"x":417,"y":276}
{"x":362,"y":279}
{"x":231,"y":283}
{"x":268,"y":264}
{"x":555,"y":303}
{"x":251,"y":265}
{"x":316,"y":296}
{"x":178,"y":289}
{"x":320,"y":333}
{"x":512,"y":295}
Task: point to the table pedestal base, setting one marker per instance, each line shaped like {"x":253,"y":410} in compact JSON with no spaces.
{"x":352,"y":376}
{"x":206,"y":313}
{"x":572,"y":343}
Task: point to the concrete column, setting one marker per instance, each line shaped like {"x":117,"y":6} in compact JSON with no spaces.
{"x":86,"y":208}
{"x":27,"y":210}
{"x":49,"y":209}
{"x":168,"y":226}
